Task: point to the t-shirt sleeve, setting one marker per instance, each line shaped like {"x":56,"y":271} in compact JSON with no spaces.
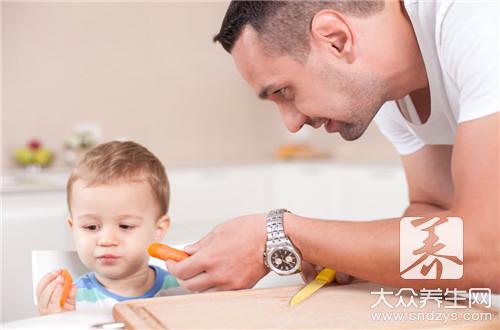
{"x":469,"y":47}
{"x":395,"y":129}
{"x":170,"y":287}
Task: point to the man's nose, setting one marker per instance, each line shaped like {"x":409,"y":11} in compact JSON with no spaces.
{"x":292,"y":118}
{"x":107,"y":237}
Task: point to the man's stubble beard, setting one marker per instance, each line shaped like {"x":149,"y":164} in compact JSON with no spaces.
{"x":368,"y":94}
{"x":353,"y":131}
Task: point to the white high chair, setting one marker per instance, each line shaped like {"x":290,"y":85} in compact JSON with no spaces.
{"x":45,"y":261}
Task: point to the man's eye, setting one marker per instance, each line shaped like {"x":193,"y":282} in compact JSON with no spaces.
{"x":91,"y":227}
{"x":126,"y":227}
{"x":283,"y":92}
{"x":280,"y":92}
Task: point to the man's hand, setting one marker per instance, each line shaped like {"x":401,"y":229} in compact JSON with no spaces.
{"x":49,"y":292}
{"x":230,"y":257}
{"x":310,"y":271}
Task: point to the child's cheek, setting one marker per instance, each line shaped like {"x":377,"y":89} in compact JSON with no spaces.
{"x":138,"y":246}
{"x":85,"y":256}
{"x":84,"y":248}
{"x":140,"y":238}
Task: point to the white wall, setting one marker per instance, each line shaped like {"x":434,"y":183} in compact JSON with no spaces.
{"x":148,"y":71}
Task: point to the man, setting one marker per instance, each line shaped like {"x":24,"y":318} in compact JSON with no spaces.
{"x":335,"y":64}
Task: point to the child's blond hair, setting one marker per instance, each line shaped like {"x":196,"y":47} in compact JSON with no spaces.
{"x":115,"y":162}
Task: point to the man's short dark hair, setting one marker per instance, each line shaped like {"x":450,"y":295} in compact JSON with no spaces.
{"x":283,"y":26}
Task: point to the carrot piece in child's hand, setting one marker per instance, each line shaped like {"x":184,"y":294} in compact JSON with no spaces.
{"x":165,"y":252}
{"x":68,"y":281}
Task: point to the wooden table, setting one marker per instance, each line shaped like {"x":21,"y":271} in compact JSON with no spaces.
{"x":332,"y":307}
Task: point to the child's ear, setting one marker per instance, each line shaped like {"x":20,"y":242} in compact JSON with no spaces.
{"x":162,"y":226}
{"x":70,"y":222}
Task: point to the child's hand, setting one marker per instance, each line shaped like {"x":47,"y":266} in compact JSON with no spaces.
{"x":49,"y":292}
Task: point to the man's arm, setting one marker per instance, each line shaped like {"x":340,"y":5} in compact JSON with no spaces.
{"x":370,"y":250}
{"x":230,"y":257}
{"x":430,"y":183}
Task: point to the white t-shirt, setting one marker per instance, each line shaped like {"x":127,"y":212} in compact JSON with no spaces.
{"x":459,"y":42}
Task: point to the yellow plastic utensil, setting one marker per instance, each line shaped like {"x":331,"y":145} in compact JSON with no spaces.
{"x":324,"y":277}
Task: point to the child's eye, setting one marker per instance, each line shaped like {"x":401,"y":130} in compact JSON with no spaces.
{"x":91,"y":227}
{"x":126,"y":227}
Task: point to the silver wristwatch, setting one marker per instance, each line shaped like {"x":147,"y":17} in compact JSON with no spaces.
{"x":280,"y":255}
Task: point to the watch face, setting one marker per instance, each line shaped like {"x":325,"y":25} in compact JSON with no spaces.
{"x":284,"y":260}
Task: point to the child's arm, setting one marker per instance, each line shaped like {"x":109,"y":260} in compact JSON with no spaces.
{"x":49,"y":292}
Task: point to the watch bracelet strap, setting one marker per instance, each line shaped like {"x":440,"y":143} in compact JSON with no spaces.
{"x":275,"y":228}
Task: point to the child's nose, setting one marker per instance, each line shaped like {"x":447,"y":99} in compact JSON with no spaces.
{"x":107,"y":238}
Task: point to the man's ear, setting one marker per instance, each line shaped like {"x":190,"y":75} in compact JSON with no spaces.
{"x":70,"y":222}
{"x":162,"y":226}
{"x":330,"y":28}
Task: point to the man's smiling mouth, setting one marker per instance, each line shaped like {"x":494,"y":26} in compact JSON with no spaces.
{"x":331,"y":126}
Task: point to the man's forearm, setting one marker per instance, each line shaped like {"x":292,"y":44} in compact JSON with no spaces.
{"x":370,"y":250}
{"x":420,"y":209}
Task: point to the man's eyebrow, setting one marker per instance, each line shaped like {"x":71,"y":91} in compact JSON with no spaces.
{"x":265,"y":91}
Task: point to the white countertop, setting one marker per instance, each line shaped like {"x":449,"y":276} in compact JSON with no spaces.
{"x":70,"y":320}
{"x":47,"y":180}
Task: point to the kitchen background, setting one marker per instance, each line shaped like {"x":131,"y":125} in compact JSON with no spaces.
{"x":76,"y":73}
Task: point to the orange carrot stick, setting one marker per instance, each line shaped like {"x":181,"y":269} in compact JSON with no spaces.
{"x":68,"y":281}
{"x":165,"y":252}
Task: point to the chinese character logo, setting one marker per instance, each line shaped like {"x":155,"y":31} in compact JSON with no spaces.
{"x":431,"y":248}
